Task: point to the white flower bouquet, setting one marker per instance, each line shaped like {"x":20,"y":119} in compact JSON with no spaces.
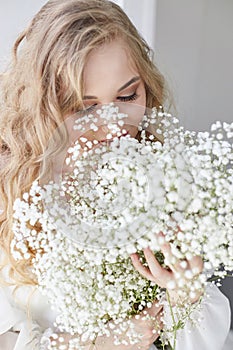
{"x":115,"y":199}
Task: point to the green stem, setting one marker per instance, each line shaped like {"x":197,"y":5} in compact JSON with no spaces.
{"x":92,"y":346}
{"x":173,"y":320}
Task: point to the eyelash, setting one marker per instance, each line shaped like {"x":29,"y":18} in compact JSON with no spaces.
{"x":132,"y":97}
{"x":91,"y":108}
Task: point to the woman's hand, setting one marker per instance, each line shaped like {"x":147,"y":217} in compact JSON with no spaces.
{"x":147,"y":327}
{"x":176,"y":278}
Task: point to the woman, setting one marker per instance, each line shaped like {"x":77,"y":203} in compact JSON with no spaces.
{"x":74,"y":55}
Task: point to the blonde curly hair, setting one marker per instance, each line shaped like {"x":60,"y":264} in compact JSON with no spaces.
{"x":43,"y":83}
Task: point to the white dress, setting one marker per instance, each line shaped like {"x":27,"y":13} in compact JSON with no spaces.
{"x":25,"y":316}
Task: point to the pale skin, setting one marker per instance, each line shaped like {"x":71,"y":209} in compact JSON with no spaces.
{"x":110,"y":76}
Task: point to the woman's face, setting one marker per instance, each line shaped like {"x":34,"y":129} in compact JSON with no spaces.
{"x":111,"y":76}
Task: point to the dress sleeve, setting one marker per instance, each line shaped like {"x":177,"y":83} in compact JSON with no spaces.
{"x":211,"y":323}
{"x":17,"y":331}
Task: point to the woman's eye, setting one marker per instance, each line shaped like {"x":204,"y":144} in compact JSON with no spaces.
{"x":132,"y":97}
{"x":89,"y":109}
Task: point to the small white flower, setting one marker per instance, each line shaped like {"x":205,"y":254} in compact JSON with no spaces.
{"x":121,"y":196}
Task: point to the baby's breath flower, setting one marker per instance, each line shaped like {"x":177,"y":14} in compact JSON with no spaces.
{"x":117,"y":197}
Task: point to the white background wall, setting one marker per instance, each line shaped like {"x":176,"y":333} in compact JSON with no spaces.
{"x":143,"y":15}
{"x":14,"y":16}
{"x":193,"y":42}
{"x":194,"y":46}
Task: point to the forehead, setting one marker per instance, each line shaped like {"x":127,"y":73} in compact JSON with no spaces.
{"x":110,"y":64}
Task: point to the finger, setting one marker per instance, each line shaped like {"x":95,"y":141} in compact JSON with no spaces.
{"x":171,"y":261}
{"x":149,"y":331}
{"x":154,"y":325}
{"x":196,"y":265}
{"x":158,"y":323}
{"x":144,"y":271}
{"x":155,"y":309}
{"x":161,"y":275}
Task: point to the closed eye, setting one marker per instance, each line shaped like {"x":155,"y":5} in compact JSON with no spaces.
{"x":132,"y":97}
{"x":89,"y":109}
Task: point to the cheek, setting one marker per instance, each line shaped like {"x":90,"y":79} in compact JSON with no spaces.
{"x":142,"y":96}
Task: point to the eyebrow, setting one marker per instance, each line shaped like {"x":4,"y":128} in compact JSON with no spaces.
{"x":130,"y":82}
